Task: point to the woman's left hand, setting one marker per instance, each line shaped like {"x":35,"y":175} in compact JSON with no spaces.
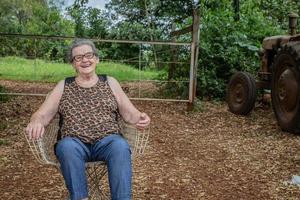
{"x":143,"y":122}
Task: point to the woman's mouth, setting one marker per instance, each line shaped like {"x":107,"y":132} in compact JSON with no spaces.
{"x":85,"y":66}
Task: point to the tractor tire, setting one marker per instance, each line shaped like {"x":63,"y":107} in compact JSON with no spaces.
{"x":241,"y":93}
{"x":285,"y":87}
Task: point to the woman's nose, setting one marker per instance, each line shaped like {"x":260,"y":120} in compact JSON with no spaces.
{"x":84,"y":59}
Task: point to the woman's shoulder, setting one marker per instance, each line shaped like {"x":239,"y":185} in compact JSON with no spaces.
{"x":111,"y":78}
{"x":57,"y":91}
{"x":60,"y":86}
{"x":112,"y":81}
{"x":61,"y":83}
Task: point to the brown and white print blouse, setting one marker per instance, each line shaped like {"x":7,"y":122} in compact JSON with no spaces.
{"x":88,"y":113}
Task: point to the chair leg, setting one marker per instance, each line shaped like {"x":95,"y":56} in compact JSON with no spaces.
{"x":96,"y":174}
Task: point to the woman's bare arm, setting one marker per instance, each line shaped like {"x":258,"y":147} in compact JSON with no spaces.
{"x":42,"y":117}
{"x":128,"y":111}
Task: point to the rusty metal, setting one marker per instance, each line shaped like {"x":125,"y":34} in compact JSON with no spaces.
{"x":279,"y":74}
{"x":57,"y":37}
{"x":263,"y":85}
{"x":293,"y":23}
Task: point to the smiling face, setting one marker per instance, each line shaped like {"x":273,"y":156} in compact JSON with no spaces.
{"x":84,"y":60}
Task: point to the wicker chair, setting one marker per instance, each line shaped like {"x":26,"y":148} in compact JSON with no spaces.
{"x":43,"y":151}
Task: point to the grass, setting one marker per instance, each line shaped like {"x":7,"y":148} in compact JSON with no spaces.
{"x":16,"y":68}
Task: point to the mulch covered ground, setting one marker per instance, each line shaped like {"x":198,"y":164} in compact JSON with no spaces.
{"x":206,"y":154}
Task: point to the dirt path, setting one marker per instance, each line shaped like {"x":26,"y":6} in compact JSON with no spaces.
{"x":211,"y":154}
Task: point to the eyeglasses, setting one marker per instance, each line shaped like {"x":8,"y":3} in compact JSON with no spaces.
{"x":88,"y":55}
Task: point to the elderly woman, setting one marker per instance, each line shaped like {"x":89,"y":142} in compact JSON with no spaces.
{"x":90,"y":107}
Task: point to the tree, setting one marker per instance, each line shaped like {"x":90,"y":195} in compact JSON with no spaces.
{"x":33,"y":17}
{"x":77,"y":12}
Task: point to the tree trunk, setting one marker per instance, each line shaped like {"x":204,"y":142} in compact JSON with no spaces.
{"x":236,"y":7}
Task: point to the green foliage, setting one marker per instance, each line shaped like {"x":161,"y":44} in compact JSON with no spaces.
{"x":78,"y":12}
{"x":33,"y":17}
{"x":198,"y":106}
{"x":278,"y":10}
{"x":227,"y":46}
{"x":97,"y":23}
{"x":174,"y":90}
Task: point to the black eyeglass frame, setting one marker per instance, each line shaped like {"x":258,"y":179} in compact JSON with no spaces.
{"x":88,"y":55}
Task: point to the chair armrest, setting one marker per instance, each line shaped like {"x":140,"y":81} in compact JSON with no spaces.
{"x":43,"y":148}
{"x":137,"y":138}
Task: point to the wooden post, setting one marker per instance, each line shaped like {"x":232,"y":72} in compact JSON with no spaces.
{"x":194,"y":58}
{"x":195,"y":29}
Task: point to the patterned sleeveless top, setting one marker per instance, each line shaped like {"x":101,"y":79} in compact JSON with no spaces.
{"x":88,"y":113}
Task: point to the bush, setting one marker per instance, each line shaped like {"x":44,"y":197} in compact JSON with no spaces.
{"x":227,"y":46}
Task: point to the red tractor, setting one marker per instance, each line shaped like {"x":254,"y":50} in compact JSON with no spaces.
{"x":280,"y":73}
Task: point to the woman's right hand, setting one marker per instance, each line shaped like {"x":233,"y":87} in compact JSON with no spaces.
{"x":35,"y":130}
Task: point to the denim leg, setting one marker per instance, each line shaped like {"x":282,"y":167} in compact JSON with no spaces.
{"x":72,"y":154}
{"x":115,"y":151}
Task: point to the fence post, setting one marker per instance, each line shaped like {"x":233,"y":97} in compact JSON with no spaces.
{"x":194,"y":58}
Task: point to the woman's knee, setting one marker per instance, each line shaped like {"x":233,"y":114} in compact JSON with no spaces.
{"x":117,"y":147}
{"x":120,"y":143}
{"x":67,"y":147}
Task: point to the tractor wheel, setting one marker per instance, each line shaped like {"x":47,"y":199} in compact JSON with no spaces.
{"x":241,"y":93}
{"x":286,"y":88}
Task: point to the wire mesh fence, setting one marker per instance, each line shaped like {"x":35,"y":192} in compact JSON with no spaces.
{"x":147,"y":70}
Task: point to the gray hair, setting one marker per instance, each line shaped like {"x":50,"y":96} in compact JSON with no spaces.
{"x":80,"y":42}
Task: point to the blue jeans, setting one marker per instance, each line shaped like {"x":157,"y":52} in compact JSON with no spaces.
{"x":113,"y":149}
